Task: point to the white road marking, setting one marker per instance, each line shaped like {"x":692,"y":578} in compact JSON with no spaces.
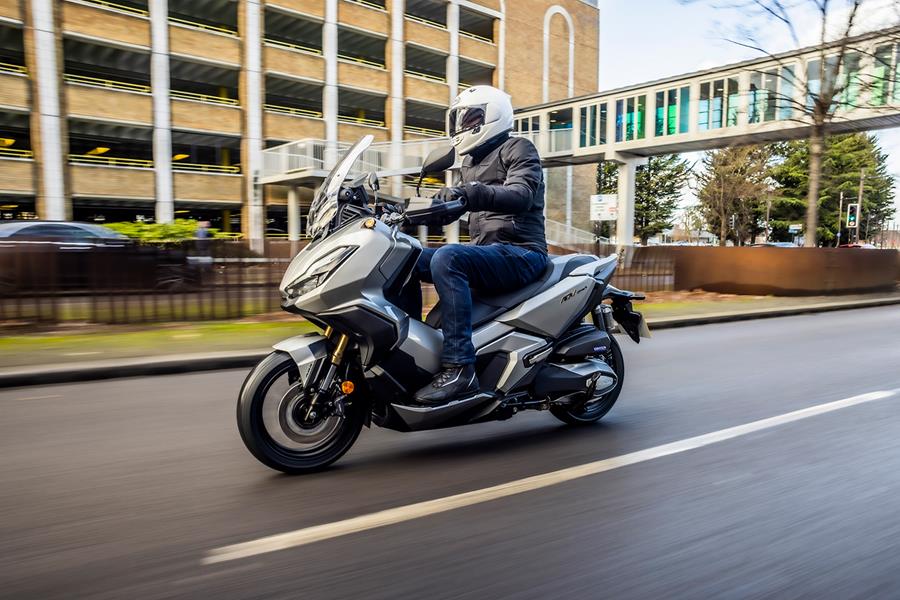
{"x":88,"y":353}
{"x":40,"y":397}
{"x":309,"y":535}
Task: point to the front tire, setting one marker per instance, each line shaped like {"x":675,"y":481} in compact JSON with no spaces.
{"x":266,"y":417}
{"x":595,"y":409}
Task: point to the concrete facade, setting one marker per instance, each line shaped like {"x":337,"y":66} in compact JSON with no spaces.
{"x":159,"y":108}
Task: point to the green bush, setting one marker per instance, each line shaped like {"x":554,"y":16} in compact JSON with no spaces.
{"x":180,"y":229}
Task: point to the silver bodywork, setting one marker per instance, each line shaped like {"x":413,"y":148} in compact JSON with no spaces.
{"x":345,"y":277}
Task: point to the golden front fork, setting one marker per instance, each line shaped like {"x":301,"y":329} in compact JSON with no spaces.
{"x":336,"y":358}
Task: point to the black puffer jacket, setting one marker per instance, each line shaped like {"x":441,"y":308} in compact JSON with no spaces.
{"x":509,"y":206}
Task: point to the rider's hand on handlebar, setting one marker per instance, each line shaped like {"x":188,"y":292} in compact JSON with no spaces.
{"x":449,"y":194}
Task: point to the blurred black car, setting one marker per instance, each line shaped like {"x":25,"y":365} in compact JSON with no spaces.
{"x":62,"y":256}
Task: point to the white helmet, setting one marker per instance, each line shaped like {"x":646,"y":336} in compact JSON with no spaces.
{"x":478,"y":114}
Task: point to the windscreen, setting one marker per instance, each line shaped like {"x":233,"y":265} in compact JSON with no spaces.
{"x":325,"y":205}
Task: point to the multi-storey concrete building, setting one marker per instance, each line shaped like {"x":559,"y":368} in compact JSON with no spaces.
{"x":160,"y":108}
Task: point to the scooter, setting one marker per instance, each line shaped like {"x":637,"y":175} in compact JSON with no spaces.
{"x":547,"y":346}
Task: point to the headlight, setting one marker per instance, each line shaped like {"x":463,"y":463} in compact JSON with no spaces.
{"x":318,"y":272}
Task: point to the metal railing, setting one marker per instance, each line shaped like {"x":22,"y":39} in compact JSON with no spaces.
{"x":106,"y":83}
{"x":201,"y":168}
{"x":16,"y":153}
{"x":182,"y":95}
{"x":290,"y":110}
{"x":475,"y":36}
{"x":360,"y":121}
{"x":371,"y":5}
{"x":292,"y":46}
{"x":11,"y":68}
{"x":560,"y":234}
{"x":203,"y":26}
{"x":427,"y":76}
{"x":362,"y":61}
{"x":425,"y":21}
{"x":44,"y":282}
{"x":424,"y":131}
{"x":110,"y":161}
{"x":120,"y":7}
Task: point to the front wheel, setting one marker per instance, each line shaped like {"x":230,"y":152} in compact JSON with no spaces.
{"x":595,"y":408}
{"x":274,"y":422}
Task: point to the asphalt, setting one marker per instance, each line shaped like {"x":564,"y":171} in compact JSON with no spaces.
{"x":218,"y":360}
{"x":121,"y":488}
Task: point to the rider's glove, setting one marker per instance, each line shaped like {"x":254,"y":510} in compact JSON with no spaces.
{"x":448,"y":194}
{"x":467,"y":193}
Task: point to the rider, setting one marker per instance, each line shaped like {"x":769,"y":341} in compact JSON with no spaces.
{"x":502,"y":185}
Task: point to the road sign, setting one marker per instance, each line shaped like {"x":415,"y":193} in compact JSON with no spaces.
{"x":852,"y":216}
{"x":604,"y":207}
{"x":795,"y":227}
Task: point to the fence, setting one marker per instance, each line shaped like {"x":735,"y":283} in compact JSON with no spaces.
{"x":217,"y":279}
{"x":50,"y":283}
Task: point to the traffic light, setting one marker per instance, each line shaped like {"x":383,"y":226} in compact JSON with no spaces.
{"x":852,"y":216}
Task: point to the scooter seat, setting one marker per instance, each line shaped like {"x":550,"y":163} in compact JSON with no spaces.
{"x":486,"y":306}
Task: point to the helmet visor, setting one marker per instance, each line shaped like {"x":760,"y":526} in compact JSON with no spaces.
{"x":466,"y":118}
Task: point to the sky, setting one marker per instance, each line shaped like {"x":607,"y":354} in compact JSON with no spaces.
{"x":642,"y":40}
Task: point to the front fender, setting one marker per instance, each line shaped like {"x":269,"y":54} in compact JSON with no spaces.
{"x":306,"y":350}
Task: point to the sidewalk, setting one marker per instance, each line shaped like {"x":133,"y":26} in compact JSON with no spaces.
{"x":91,"y":352}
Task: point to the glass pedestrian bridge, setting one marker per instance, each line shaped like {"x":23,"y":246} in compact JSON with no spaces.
{"x":761,"y":100}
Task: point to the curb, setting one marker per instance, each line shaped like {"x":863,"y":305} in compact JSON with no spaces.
{"x":769,"y":313}
{"x":192,"y":363}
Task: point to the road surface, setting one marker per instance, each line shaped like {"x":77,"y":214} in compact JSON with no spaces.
{"x":130,"y":488}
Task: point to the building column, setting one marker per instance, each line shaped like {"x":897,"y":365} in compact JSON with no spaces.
{"x":254,"y":217}
{"x":293,"y":213}
{"x":451,"y":232}
{"x":627,"y":175}
{"x":162,"y":111}
{"x":330,"y":91}
{"x":397,"y":112}
{"x":48,"y":123}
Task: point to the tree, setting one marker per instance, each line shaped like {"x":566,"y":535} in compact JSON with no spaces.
{"x":732,"y":188}
{"x":658,"y":187}
{"x":845,"y":158}
{"x":835,"y":82}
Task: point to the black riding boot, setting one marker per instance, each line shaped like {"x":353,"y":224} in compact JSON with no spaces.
{"x":452,"y":383}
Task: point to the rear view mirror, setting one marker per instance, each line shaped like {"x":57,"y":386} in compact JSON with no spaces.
{"x":438,"y":160}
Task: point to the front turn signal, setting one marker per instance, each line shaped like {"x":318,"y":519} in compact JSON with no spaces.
{"x":347,"y":387}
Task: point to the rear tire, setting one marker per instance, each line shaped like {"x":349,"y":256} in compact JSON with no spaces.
{"x":595,"y":409}
{"x":269,"y":429}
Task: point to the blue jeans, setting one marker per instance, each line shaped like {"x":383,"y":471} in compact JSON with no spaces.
{"x":456,"y":269}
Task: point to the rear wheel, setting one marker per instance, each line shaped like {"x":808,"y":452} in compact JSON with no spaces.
{"x":596,"y":407}
{"x":279,"y":429}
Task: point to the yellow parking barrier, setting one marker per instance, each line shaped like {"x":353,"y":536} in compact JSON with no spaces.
{"x":107,"y":83}
{"x":290,"y":110}
{"x":203,"y":98}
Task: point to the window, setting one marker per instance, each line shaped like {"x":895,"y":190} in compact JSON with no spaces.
{"x":684,"y":109}
{"x":670,"y":110}
{"x":719,"y":103}
{"x":850,"y":80}
{"x":47,"y":230}
{"x":593,"y":124}
{"x":630,"y":122}
{"x":881,"y":75}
